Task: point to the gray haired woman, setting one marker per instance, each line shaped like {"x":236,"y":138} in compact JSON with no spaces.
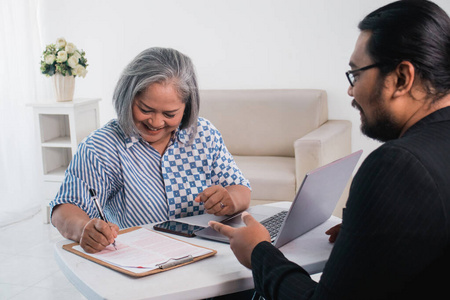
{"x":157,"y":161}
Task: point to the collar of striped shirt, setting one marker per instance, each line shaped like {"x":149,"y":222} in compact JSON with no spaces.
{"x":183,"y":136}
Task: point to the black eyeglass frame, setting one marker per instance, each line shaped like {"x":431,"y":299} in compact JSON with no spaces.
{"x":350,"y":73}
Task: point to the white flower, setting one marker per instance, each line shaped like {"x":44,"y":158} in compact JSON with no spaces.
{"x":72,"y":61}
{"x":62,"y":56}
{"x":76,"y":54}
{"x":79,"y":70}
{"x":49,"y":59}
{"x":70,"y":48}
{"x":60,"y":43}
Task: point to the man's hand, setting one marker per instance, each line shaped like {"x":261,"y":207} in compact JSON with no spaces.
{"x":244,"y":239}
{"x":333,"y":232}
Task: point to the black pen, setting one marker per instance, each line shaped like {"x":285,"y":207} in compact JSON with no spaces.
{"x":100,"y":210}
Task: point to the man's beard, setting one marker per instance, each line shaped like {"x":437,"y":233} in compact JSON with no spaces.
{"x":384,"y":127}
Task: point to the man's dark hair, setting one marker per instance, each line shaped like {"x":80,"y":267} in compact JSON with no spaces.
{"x":417,"y":31}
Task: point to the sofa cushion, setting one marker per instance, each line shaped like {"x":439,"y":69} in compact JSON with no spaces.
{"x":264,"y":122}
{"x":271,"y":178}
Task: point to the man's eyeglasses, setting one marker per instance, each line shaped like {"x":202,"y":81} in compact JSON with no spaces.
{"x":351,"y":74}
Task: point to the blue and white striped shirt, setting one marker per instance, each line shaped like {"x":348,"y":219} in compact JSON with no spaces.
{"x":136,"y":185}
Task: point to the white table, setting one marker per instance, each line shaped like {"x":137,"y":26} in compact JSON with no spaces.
{"x":218,"y":275}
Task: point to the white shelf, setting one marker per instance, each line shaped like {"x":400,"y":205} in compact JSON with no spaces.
{"x":62,"y":126}
{"x":63,"y":141}
{"x":55,"y":158}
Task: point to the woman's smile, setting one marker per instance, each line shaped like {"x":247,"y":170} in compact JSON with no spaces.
{"x":153,"y":129}
{"x":157,"y":113}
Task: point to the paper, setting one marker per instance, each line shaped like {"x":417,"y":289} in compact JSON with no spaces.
{"x":142,"y":250}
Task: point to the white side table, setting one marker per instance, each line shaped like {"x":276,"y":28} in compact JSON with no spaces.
{"x":62,"y":126}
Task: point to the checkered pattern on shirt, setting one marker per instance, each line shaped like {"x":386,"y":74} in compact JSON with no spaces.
{"x":189,"y":167}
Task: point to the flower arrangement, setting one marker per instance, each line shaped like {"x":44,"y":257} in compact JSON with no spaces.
{"x":63,"y":58}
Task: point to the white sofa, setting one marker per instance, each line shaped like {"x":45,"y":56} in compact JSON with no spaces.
{"x":277,"y":136}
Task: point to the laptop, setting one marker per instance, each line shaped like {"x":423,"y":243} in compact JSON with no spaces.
{"x":314,"y":203}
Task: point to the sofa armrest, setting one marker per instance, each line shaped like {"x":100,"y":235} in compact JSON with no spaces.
{"x":327,"y":143}
{"x":323,"y":145}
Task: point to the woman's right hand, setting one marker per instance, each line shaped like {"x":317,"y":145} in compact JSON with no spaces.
{"x":97,"y":235}
{"x":74,"y":224}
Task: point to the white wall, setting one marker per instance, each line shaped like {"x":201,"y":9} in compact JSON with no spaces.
{"x":234,"y":43}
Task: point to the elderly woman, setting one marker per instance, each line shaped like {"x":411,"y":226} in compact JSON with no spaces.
{"x":157,"y":161}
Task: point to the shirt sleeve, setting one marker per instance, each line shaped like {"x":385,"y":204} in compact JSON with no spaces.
{"x":224,"y":169}
{"x":276,"y":277}
{"x":86,"y":170}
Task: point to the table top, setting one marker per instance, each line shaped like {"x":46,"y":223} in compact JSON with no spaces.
{"x":217,"y":275}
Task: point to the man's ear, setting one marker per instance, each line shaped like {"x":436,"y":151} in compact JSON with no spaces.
{"x":404,"y":78}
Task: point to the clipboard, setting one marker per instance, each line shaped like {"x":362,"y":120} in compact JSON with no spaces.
{"x":163,"y":266}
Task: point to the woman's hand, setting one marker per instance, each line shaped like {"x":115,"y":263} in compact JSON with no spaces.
{"x":74,"y":224}
{"x":97,"y":235}
{"x":217,"y":201}
{"x":222,"y":201}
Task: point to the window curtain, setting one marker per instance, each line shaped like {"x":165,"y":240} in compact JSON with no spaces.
{"x":20,"y":84}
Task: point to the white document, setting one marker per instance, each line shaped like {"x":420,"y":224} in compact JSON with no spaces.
{"x":142,"y":250}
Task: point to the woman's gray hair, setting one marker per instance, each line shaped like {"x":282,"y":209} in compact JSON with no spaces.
{"x":156,"y":65}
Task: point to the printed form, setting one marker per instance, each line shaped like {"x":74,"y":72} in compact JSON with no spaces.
{"x":142,"y":250}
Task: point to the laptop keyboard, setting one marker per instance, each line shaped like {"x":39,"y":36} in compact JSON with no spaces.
{"x":273,"y":223}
